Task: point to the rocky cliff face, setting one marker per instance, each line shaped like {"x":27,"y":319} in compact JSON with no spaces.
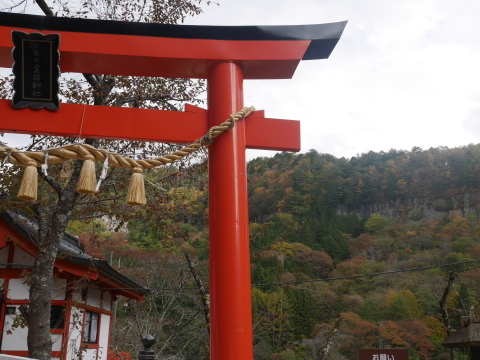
{"x":416,"y":209}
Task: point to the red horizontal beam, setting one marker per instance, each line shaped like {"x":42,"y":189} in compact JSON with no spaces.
{"x":272,"y":134}
{"x":105,"y":122}
{"x":74,"y":269}
{"x":116,"y":123}
{"x":166,"y":57}
{"x":12,"y":273}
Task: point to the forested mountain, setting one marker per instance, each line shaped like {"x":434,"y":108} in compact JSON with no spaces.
{"x":361,"y":243}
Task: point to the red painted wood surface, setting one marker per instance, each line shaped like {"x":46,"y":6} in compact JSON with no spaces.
{"x":230,"y":306}
{"x":107,"y":122}
{"x":272,"y":134}
{"x":166,"y":57}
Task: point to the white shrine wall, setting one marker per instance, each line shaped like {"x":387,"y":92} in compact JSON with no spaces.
{"x":14,"y":339}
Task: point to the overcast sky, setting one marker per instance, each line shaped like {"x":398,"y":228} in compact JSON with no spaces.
{"x":405,"y":73}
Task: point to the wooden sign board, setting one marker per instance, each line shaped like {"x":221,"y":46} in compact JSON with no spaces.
{"x":382,"y":354}
{"x":36,"y":70}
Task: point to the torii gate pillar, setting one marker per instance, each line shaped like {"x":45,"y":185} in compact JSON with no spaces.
{"x":230,"y":306}
{"x":225,"y":56}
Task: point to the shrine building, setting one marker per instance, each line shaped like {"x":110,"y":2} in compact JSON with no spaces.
{"x":84,"y":290}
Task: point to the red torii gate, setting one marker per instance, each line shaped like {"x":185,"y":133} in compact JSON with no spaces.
{"x":225,"y":56}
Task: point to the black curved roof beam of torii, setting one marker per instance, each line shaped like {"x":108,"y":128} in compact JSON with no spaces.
{"x":266,"y":52}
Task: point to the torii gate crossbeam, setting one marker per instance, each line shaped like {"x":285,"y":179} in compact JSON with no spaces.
{"x":225,"y":56}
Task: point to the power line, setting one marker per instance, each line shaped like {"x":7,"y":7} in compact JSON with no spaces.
{"x":317,"y":280}
{"x":368,"y":275}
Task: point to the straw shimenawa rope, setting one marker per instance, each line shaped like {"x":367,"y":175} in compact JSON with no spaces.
{"x":87,"y":181}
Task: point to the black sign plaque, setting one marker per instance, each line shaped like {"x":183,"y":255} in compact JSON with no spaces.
{"x":35,"y":70}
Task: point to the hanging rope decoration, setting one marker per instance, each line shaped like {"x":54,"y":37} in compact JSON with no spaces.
{"x":87,"y":183}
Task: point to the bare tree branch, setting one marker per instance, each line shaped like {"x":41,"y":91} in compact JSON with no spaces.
{"x":50,"y":181}
{"x":45,"y":8}
{"x":100,"y":200}
{"x":201,"y":289}
{"x":331,"y":338}
{"x":35,"y":142}
{"x":136,"y":99}
{"x":23,"y":2}
{"x":97,"y":215}
{"x":92,"y":80}
{"x":443,"y":309}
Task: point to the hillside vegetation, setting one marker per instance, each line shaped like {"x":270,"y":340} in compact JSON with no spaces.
{"x":366,"y":243}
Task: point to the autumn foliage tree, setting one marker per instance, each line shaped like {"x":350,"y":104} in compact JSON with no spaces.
{"x":359,"y":334}
{"x":375,"y":216}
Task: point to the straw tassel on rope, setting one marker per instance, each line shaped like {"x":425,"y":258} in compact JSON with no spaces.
{"x":29,"y":184}
{"x":87,"y":183}
{"x":136,"y":189}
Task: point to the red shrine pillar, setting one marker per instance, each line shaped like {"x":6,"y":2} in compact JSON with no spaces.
{"x":230,"y":294}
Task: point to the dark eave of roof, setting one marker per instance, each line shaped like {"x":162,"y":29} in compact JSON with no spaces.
{"x":71,"y":252}
{"x":323,"y":37}
{"x":107,"y":271}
